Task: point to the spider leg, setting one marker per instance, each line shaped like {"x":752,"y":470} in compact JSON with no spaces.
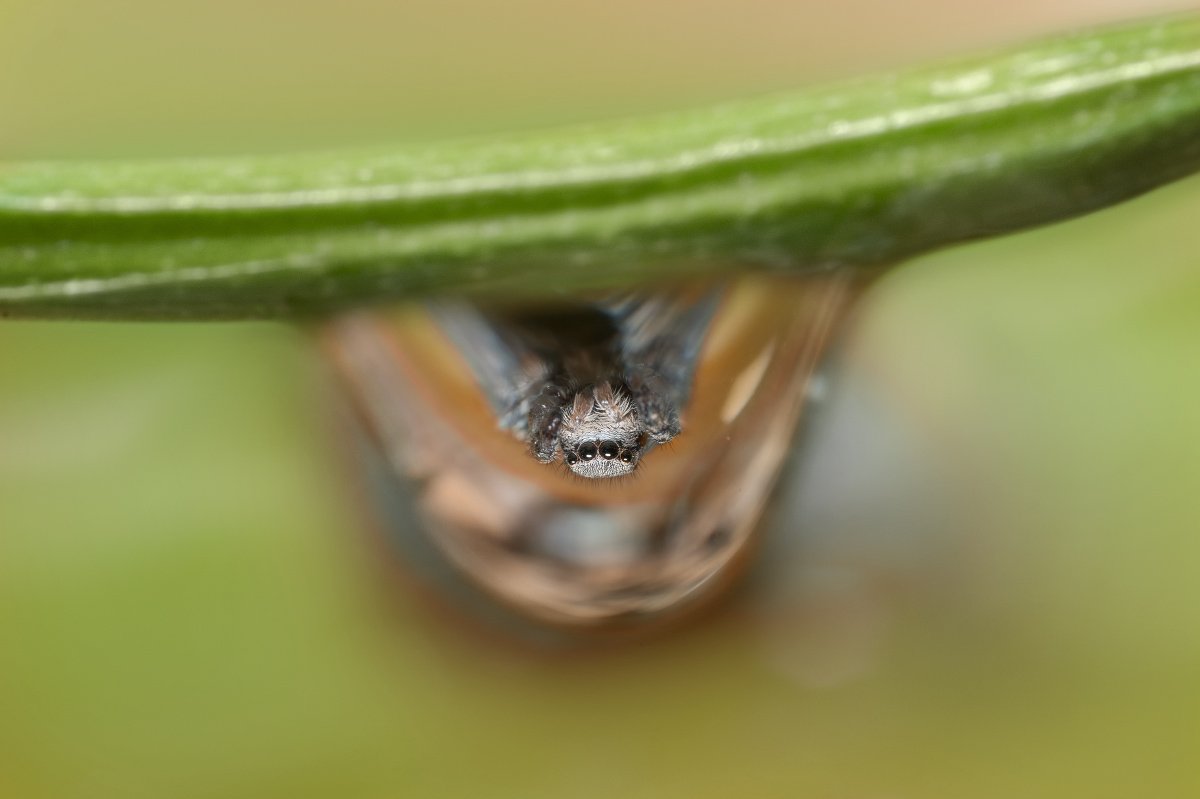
{"x":545,"y":418}
{"x":652,"y":397}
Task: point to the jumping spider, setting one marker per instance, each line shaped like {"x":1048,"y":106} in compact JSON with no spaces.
{"x":597,"y":384}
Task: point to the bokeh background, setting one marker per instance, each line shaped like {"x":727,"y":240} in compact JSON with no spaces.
{"x":982,"y":578}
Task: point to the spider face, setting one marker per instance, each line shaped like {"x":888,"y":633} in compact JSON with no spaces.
{"x":600,"y":433}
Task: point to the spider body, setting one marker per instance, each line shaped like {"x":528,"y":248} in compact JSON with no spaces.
{"x":593,"y":385}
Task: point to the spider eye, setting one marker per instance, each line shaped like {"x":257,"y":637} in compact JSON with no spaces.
{"x":587,"y":451}
{"x":626,"y":456}
{"x":571,"y":458}
{"x":609,"y":450}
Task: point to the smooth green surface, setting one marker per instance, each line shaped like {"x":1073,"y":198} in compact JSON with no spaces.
{"x":859,"y":174}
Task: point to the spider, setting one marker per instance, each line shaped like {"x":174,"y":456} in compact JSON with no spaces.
{"x":597,"y":383}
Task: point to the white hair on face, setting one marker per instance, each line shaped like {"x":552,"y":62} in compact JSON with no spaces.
{"x":600,"y":413}
{"x":602,"y":468}
{"x":614,"y":403}
{"x":580,"y":410}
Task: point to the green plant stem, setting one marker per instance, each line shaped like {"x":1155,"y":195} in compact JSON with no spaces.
{"x":860,"y":174}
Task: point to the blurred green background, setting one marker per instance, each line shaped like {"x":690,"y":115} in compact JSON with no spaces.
{"x":981,"y":579}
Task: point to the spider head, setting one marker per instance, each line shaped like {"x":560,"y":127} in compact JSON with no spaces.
{"x":600,"y":433}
